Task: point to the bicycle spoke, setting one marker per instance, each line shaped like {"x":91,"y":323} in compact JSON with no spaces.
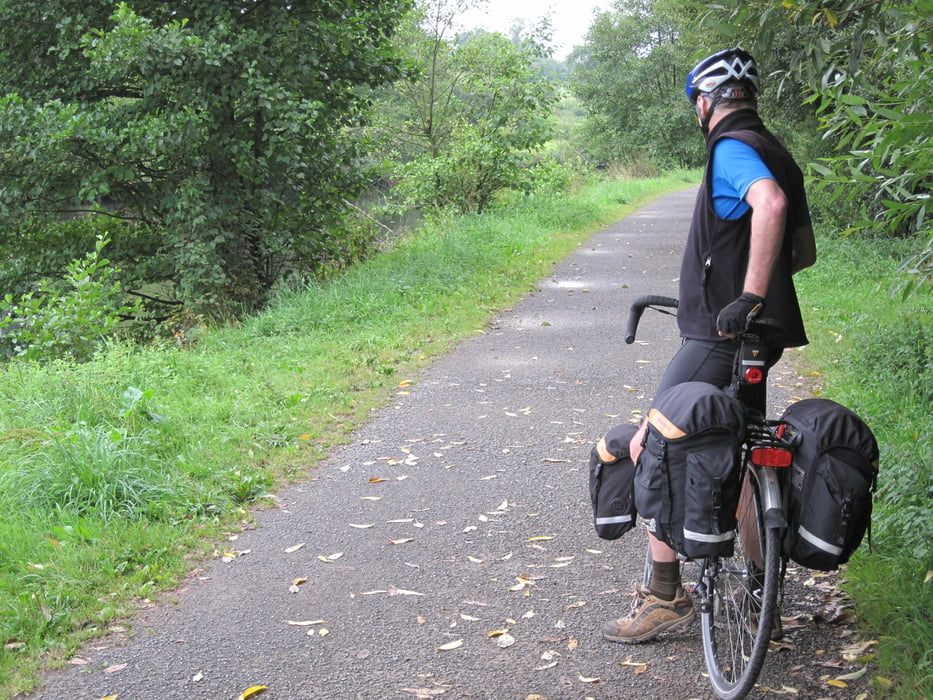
{"x":735,"y":631}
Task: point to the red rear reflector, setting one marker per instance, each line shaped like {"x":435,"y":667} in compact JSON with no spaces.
{"x":754,"y":375}
{"x":772,"y":457}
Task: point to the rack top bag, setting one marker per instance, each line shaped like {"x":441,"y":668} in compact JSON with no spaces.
{"x":687,"y":478}
{"x":834,"y":472}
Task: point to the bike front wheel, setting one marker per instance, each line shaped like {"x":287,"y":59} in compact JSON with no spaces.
{"x":740,"y":600}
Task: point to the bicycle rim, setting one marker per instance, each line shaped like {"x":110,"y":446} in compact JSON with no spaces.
{"x":738,"y":610}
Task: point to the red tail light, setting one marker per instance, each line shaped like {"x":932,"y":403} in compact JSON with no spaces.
{"x":754,"y":375}
{"x":772,"y":457}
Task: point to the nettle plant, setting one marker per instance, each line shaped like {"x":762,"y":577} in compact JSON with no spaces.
{"x":67,"y":318}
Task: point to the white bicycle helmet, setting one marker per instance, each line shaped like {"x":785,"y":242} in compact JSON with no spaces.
{"x":734,"y":66}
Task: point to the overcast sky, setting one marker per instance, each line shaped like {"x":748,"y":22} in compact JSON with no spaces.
{"x":569,"y":18}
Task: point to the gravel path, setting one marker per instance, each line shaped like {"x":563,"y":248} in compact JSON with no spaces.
{"x":448,"y":551}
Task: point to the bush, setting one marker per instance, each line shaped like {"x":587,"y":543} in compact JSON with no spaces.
{"x":67,"y":320}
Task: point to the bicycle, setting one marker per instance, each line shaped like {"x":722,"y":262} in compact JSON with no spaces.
{"x":740,"y":596}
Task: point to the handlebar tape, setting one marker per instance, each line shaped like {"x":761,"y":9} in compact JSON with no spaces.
{"x":638,"y":308}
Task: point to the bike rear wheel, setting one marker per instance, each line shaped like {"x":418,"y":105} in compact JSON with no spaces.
{"x":740,"y":599}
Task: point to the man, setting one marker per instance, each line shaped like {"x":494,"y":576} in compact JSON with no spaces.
{"x":750,"y":232}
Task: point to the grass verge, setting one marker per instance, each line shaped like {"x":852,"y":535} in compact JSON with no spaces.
{"x":873,"y":349}
{"x":118,"y":475}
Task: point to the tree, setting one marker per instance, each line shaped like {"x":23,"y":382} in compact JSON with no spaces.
{"x":630,"y":76}
{"x":219,"y":124}
{"x":462,"y":128}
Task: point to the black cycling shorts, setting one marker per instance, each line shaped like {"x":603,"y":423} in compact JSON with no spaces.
{"x":707,"y":361}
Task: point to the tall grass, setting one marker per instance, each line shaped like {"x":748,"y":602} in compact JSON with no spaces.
{"x":115,"y":471}
{"x":874,"y":351}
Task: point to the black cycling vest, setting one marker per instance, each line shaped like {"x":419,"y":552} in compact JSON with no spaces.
{"x":715,"y":259}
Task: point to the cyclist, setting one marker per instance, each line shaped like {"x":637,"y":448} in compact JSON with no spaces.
{"x":749,"y":234}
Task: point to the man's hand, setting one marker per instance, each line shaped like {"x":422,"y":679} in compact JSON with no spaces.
{"x":735,"y":317}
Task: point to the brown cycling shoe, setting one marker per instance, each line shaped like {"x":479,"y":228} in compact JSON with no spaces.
{"x":650,"y":617}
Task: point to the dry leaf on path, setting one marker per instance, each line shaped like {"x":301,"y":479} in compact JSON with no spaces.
{"x":449,"y":646}
{"x":251,"y":691}
{"x":293,"y":548}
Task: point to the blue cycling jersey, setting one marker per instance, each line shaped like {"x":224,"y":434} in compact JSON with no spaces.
{"x":736,"y":167}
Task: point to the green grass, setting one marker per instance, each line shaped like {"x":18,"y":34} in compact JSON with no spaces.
{"x":118,"y":474}
{"x":873,"y":349}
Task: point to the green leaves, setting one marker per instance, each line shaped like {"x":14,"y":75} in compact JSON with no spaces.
{"x":222,"y":127}
{"x":68,"y":322}
{"x":462,"y":129}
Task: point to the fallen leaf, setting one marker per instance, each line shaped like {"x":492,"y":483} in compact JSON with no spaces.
{"x":293,"y":548}
{"x":475,"y":560}
{"x":449,"y":646}
{"x":496,"y":633}
{"x":541,"y":538}
{"x":371,"y":498}
{"x":75,"y":661}
{"x":505,"y":641}
{"x":402,"y":591}
{"x":250,"y":692}
{"x":853,"y":651}
{"x":425,"y":692}
{"x":585,"y":679}
{"x":114,"y":669}
{"x":837,"y":683}
{"x":110,"y":697}
{"x":362,"y":527}
{"x":197,"y":677}
{"x":855,"y":675}
{"x":295,"y":587}
{"x":404,"y":540}
{"x":304,"y":623}
{"x":468,"y":618}
{"x":640,"y":666}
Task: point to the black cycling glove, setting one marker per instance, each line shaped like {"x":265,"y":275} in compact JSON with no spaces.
{"x":735,"y":317}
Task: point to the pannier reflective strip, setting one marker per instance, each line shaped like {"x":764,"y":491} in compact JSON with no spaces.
{"x":819,"y":543}
{"x":706,"y":537}
{"x":614,"y":520}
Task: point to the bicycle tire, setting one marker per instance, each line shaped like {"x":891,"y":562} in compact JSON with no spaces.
{"x":737,"y":613}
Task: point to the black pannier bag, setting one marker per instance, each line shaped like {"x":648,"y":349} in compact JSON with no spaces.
{"x":687,"y":478}
{"x":612,"y":473}
{"x":834,"y":472}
